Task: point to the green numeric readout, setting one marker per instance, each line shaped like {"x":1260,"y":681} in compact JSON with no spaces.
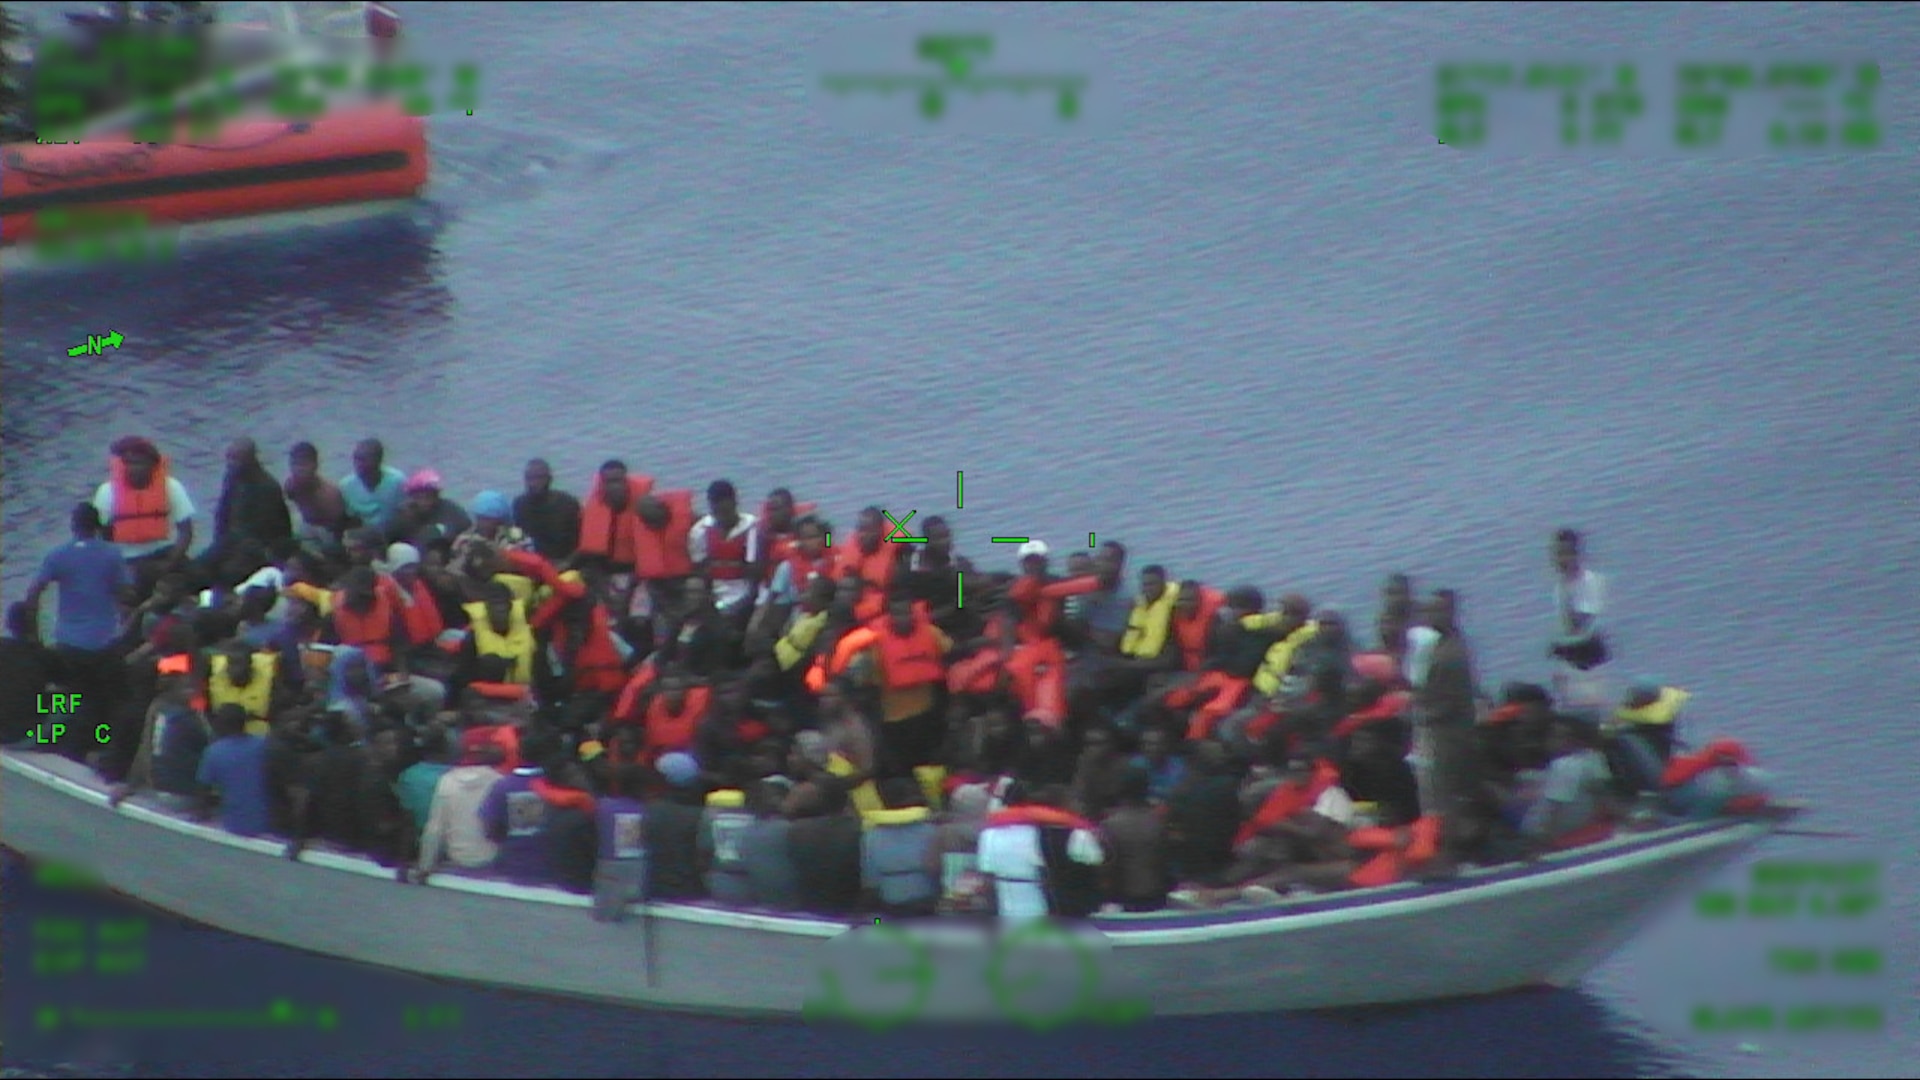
{"x":1688,"y":105}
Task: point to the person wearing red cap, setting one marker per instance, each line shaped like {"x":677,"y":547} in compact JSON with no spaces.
{"x":455,"y":832}
{"x":145,"y":508}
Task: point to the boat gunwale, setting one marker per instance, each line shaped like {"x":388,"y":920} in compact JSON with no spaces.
{"x":1151,"y":928}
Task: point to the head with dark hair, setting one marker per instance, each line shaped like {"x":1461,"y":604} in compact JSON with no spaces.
{"x":723,"y":502}
{"x":540,"y":747}
{"x":1153,"y":583}
{"x":1246,"y":600}
{"x":833,"y":796}
{"x":901,"y":792}
{"x":1135,"y":787}
{"x":1110,"y":562}
{"x":84,"y":521}
{"x":303,"y":466}
{"x":1566,"y":551}
{"x":228,"y":720}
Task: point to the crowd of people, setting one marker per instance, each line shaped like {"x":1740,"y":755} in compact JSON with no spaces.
{"x":618,"y":695}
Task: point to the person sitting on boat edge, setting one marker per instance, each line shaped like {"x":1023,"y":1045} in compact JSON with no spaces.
{"x":825,"y":841}
{"x":374,"y":491}
{"x":251,"y":507}
{"x":455,"y":830}
{"x":620,"y":874}
{"x":1576,"y":804}
{"x":427,"y":514}
{"x":233,"y":775}
{"x":168,"y":761}
{"x":722,"y":864}
{"x":1579,"y":598}
{"x":672,"y":831}
{"x":1299,"y":825}
{"x":894,"y":853}
{"x":323,"y":510}
{"x":492,"y":525}
{"x":1719,"y":778}
{"x":146,"y":511}
{"x":1138,"y":877}
{"x":515,"y":814}
{"x":1029,"y":867}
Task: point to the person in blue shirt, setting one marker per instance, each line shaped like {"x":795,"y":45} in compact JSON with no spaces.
{"x":93,"y":581}
{"x":234,"y":768}
{"x":374,"y":491}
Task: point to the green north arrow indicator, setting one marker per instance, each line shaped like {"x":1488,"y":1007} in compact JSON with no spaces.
{"x":93,"y":346}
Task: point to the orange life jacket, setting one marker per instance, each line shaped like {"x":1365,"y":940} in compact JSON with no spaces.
{"x":603,"y":532}
{"x":668,"y":731}
{"x":502,"y":691}
{"x":1039,"y":602}
{"x":140,"y":515}
{"x":372,"y":632}
{"x":1228,"y":692}
{"x":626,"y":710}
{"x":1390,"y":864}
{"x":504,"y":736}
{"x":1192,"y":633}
{"x":774,"y":546}
{"x":1031,"y":814}
{"x":801,"y":570}
{"x":663,"y":555}
{"x":1289,"y":799}
{"x":876,"y":570}
{"x":421,"y":613}
{"x":912,"y":660}
{"x":844,"y":650}
{"x":1038,"y":670}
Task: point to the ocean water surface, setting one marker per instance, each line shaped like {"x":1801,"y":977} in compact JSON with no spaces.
{"x":1265,"y":330}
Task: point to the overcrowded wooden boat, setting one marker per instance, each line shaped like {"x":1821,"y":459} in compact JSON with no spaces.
{"x":1487,"y":930}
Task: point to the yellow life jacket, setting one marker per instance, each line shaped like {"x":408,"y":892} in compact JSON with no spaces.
{"x":321,"y":599}
{"x":792,"y":648}
{"x":1280,"y":657}
{"x":1660,"y":710}
{"x":256,"y":697}
{"x":727,"y":799}
{"x":866,"y":797}
{"x":933,"y":783}
{"x":525,"y":589}
{"x":515,"y":646}
{"x":1149,"y":624}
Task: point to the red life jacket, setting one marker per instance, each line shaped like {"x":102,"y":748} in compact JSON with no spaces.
{"x":1684,"y":768}
{"x":597,"y":666}
{"x":627,"y":709}
{"x":663,"y":555}
{"x":140,"y":515}
{"x":1289,"y":799}
{"x":912,"y":660}
{"x":505,"y":736}
{"x":372,"y":633}
{"x":722,"y":550}
{"x":603,"y":532}
{"x":1389,"y":707}
{"x":561,"y":798}
{"x":1390,"y":864}
{"x":668,"y":731}
{"x":1192,"y":633}
{"x":801,"y":570}
{"x":1031,"y":814}
{"x":421,"y":613}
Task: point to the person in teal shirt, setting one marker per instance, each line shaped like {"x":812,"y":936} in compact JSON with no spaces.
{"x":417,"y":782}
{"x":374,"y":490}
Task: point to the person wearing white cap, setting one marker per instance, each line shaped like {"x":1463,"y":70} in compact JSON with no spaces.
{"x":420,"y":608}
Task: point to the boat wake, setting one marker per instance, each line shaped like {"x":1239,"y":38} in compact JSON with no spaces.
{"x":477,"y":164}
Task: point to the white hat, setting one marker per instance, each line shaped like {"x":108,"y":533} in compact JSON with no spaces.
{"x":399,"y":555}
{"x":1033,"y":547}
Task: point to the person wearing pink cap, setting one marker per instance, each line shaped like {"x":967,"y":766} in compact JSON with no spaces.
{"x":427,"y":515}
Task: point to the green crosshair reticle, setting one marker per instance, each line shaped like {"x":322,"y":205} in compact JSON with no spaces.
{"x":898,"y":534}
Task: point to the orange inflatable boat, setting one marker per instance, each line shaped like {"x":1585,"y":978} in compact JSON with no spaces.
{"x":366,"y":154}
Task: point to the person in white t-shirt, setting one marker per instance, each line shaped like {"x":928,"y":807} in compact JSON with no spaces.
{"x":1580,"y":649}
{"x":1012,"y":856}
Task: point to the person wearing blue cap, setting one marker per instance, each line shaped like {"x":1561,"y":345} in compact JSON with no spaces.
{"x":671,"y":831}
{"x":492,"y":525}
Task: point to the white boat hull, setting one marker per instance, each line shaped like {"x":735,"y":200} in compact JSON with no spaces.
{"x":1492,"y":930}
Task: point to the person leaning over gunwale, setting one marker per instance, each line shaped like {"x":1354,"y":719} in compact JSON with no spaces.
{"x":726,"y":708}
